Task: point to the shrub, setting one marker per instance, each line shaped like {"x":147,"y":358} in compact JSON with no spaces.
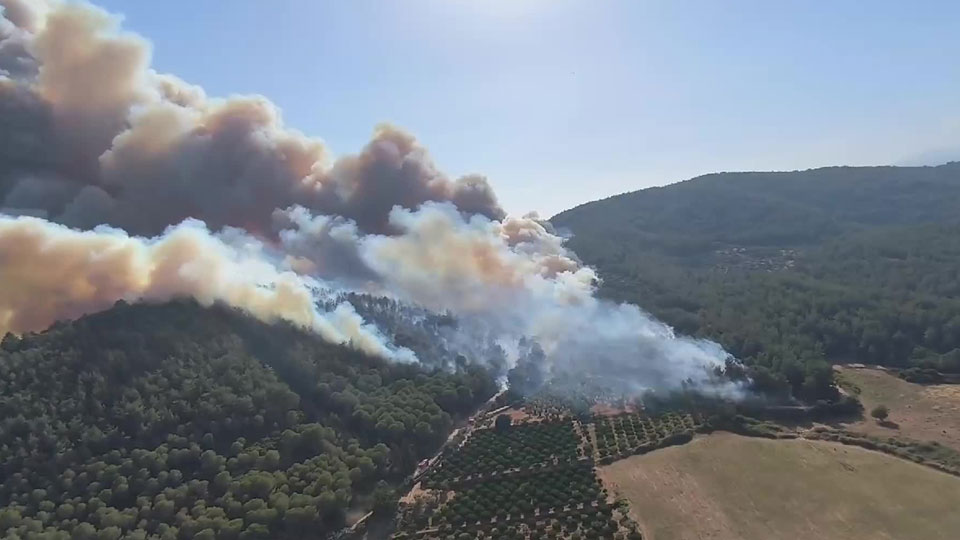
{"x":880,"y":412}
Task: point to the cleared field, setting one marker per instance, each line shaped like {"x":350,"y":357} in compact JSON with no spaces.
{"x":729,"y":487}
{"x":921,"y":412}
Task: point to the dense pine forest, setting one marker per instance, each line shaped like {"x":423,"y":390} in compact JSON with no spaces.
{"x":792,"y":271}
{"x":177,"y":421}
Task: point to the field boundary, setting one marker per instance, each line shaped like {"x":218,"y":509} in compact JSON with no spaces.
{"x":900,"y":449}
{"x":686,"y":492}
{"x":931,"y":454}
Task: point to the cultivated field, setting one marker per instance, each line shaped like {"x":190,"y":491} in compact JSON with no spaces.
{"x":921,"y":412}
{"x":729,"y":487}
{"x":520,"y":482}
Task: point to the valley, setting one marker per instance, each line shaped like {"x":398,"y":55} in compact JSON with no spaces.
{"x":227,"y":427}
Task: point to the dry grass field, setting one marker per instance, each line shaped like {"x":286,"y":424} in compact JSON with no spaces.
{"x":729,"y":487}
{"x":921,"y":412}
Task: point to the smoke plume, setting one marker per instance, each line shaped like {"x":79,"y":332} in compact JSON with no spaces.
{"x":49,"y":271}
{"x":117,"y":182}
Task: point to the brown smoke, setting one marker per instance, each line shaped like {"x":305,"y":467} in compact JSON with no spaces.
{"x":111,"y":141}
{"x":445,"y":262}
{"x":49,"y":272}
{"x":107,"y":169}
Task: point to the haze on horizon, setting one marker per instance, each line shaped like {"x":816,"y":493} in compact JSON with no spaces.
{"x":561,"y":102}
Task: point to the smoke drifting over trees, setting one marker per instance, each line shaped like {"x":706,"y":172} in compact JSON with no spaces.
{"x":117,"y":182}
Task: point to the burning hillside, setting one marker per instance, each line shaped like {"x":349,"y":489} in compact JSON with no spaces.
{"x":118,"y":182}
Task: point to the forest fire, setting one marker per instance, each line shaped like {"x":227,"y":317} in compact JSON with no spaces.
{"x":123,"y":183}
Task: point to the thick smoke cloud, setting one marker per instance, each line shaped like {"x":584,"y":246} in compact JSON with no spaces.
{"x":123,"y":145}
{"x":117,"y":182}
{"x":49,"y":272}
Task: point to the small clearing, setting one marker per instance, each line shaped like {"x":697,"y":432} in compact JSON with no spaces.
{"x":606,"y":409}
{"x":729,"y":487}
{"x":518,"y":416}
{"x":920,"y":412}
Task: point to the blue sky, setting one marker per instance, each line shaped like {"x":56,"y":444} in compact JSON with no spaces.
{"x":560,"y":102}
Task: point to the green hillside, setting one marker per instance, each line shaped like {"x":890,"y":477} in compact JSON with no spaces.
{"x":791,"y":271}
{"x":175,"y":421}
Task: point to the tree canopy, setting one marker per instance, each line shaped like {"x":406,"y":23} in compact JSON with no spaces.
{"x":177,"y":421}
{"x":791,"y":271}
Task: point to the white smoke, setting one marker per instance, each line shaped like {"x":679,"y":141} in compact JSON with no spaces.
{"x":517,"y":278}
{"x":121,"y":183}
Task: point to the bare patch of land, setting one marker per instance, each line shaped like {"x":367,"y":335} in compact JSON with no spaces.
{"x":606,"y":409}
{"x":518,"y":416}
{"x":921,"y":412}
{"x":727,"y":487}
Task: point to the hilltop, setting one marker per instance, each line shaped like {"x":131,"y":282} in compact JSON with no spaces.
{"x":696,"y":217}
{"x":791,"y":271}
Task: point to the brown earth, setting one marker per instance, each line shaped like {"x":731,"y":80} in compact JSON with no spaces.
{"x":605,"y":409}
{"x":920,"y":412}
{"x":517,"y":416}
{"x":729,"y":487}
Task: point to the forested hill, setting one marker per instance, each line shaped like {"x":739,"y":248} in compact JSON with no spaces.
{"x":779,"y":209}
{"x":177,"y":421}
{"x":792,"y":270}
